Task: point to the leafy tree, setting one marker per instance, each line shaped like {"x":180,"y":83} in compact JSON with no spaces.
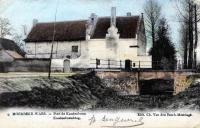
{"x":163,"y":52}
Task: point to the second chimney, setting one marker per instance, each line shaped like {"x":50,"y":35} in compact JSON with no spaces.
{"x":35,"y":21}
{"x":128,"y":14}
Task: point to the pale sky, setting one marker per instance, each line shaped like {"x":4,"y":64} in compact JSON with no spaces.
{"x":22,"y":12}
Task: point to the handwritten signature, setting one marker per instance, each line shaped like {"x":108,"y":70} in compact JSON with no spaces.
{"x":117,"y":122}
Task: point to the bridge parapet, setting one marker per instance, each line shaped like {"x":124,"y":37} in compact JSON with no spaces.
{"x":128,"y":82}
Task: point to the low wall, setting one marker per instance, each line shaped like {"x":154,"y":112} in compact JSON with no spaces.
{"x":124,"y":83}
{"x":182,"y":82}
{"x":131,"y":83}
{"x":27,"y":65}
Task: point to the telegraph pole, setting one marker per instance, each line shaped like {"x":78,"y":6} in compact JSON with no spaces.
{"x":53,"y":38}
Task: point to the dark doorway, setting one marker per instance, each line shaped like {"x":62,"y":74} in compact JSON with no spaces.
{"x":128,"y":65}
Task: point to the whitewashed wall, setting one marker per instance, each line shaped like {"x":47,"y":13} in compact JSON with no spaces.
{"x":98,"y":49}
{"x":89,"y":51}
{"x":43,"y":49}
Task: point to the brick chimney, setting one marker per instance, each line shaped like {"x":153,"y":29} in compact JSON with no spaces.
{"x":128,"y":14}
{"x":35,"y":21}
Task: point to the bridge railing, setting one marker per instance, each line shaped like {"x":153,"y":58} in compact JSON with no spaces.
{"x":132,"y":65}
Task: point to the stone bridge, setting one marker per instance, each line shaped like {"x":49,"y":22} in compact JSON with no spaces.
{"x":146,"y":82}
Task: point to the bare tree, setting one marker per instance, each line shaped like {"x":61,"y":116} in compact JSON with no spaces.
{"x":18,"y":39}
{"x":5,"y":27}
{"x":152,"y":11}
{"x":189,"y":15}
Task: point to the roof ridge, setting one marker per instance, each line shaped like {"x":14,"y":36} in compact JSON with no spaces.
{"x":119,"y":16}
{"x":60,"y":21}
{"x":84,"y":19}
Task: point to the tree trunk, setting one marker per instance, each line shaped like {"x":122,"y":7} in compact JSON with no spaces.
{"x":196,"y":38}
{"x":153,"y":36}
{"x":185,"y":49}
{"x":190,"y":57}
{"x":154,"y":64}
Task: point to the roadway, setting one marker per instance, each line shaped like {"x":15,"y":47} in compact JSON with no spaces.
{"x":33,"y":74}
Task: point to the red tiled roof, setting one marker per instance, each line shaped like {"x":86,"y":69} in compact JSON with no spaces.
{"x":76,"y":30}
{"x":127,"y":27}
{"x":64,"y":31}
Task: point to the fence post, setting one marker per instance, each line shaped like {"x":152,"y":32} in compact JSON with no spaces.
{"x":139,"y":65}
{"x":138,"y":76}
{"x":96,"y":63}
{"x":120,"y":64}
{"x":109,"y":63}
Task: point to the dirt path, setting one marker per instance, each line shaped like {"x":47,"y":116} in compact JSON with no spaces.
{"x":32,"y":74}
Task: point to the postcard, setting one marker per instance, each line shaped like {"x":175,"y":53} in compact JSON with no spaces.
{"x":99,"y":64}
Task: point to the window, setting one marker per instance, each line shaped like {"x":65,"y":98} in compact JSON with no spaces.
{"x":74,"y":48}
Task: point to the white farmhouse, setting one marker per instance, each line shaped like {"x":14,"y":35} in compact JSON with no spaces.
{"x":112,"y":40}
